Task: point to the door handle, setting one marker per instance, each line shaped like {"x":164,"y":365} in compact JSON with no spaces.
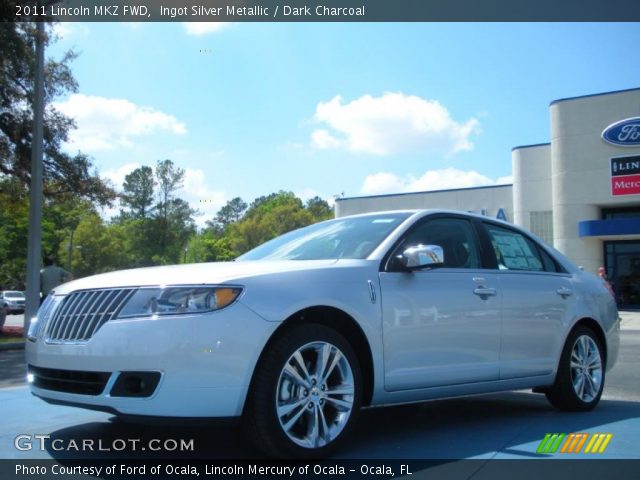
{"x":485,"y":292}
{"x":564,"y":292}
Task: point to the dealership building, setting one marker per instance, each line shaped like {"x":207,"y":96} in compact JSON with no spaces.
{"x":580,"y":192}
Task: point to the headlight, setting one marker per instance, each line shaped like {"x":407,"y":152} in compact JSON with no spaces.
{"x":181,"y":300}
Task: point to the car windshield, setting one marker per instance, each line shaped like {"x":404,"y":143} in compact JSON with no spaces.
{"x":349,"y":237}
{"x":14,"y":294}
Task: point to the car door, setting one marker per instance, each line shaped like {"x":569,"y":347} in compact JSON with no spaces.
{"x":441,"y":326}
{"x":536,"y":300}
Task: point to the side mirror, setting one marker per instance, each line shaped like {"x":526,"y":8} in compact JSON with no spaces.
{"x":422,"y":256}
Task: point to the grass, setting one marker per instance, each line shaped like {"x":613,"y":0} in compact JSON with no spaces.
{"x":4,"y":339}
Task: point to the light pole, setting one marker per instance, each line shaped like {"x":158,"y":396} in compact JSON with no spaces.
{"x":70,"y":250}
{"x":34,"y":247}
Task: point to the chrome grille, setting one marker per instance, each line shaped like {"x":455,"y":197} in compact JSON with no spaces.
{"x":82,"y":313}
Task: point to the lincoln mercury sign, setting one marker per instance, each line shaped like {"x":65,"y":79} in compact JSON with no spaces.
{"x":625,"y":175}
{"x":625,"y":133}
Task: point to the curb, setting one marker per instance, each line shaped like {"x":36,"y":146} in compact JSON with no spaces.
{"x":12,"y":346}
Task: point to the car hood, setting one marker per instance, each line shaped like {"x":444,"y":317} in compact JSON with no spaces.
{"x":190,"y":274}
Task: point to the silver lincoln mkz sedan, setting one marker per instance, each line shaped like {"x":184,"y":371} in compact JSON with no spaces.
{"x":298,"y":334}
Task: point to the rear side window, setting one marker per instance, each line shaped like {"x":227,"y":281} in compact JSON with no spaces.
{"x":514,"y":251}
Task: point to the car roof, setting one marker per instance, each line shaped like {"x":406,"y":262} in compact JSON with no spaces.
{"x":431,"y":211}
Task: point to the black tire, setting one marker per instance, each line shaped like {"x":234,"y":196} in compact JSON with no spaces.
{"x":274,"y":387}
{"x":563,"y":394}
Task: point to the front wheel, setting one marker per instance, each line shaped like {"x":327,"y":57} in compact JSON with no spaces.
{"x":580,"y":378}
{"x":306,"y":394}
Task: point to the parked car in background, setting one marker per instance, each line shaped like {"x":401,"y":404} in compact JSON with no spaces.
{"x":298,"y":334}
{"x":13,"y":300}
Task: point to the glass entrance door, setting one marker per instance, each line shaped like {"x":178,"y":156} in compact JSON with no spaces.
{"x":622,"y":261}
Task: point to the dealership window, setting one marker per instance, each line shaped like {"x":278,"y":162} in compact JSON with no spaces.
{"x":622,"y":260}
{"x":541,"y":224}
{"x":622,"y":263}
{"x":618,"y":213}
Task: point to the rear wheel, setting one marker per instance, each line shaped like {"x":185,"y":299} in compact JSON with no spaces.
{"x":580,"y":378}
{"x":306,"y":394}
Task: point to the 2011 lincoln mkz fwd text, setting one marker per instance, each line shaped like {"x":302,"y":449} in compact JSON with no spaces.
{"x":300,"y":333}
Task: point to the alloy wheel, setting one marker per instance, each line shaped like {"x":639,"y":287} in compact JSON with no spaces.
{"x":315,"y":394}
{"x":586,"y":368}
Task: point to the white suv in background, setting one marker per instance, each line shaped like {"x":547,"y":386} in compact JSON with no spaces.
{"x":13,"y":301}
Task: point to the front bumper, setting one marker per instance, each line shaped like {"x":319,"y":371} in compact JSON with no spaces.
{"x":205,"y":363}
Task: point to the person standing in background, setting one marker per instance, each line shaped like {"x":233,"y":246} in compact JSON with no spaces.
{"x":602,"y":273}
{"x":51,"y":276}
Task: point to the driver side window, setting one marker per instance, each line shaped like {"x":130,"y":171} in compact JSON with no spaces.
{"x":456,"y":236}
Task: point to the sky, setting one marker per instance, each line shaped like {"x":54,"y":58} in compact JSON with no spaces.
{"x":329,"y":109}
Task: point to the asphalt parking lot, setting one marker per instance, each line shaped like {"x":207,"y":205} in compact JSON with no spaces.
{"x":490,"y":427}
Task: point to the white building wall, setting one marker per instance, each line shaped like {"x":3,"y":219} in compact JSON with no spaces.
{"x":531,"y":182}
{"x":486,"y":200}
{"x":580,"y":168}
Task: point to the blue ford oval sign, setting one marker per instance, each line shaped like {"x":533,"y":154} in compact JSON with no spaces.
{"x":625,"y":133}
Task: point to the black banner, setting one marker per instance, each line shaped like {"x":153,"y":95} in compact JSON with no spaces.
{"x":326,"y":469}
{"x":625,"y":166}
{"x":322,"y":11}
